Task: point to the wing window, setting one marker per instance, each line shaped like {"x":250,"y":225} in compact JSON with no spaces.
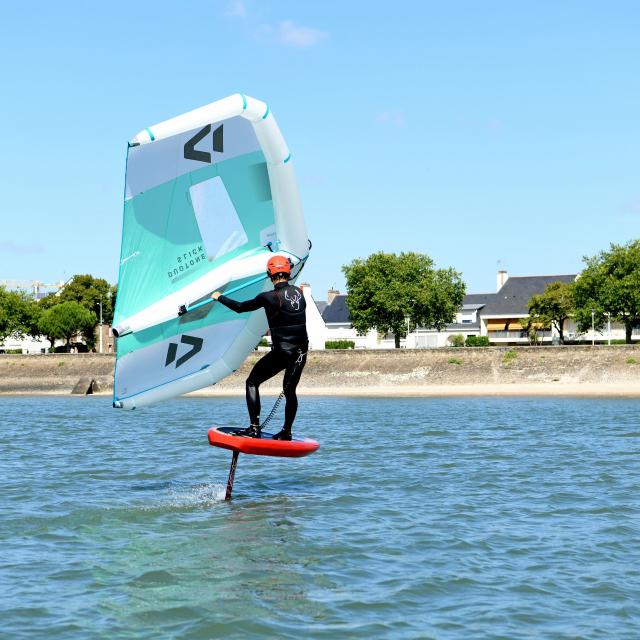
{"x":217,"y":218}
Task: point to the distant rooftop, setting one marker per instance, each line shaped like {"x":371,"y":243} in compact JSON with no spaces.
{"x":479,"y":299}
{"x":337,"y":311}
{"x":516,"y":292}
{"x":321,"y":305}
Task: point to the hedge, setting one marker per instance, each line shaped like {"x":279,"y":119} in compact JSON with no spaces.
{"x":339,"y":344}
{"x":477,"y":341}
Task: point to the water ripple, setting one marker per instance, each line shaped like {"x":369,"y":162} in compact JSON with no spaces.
{"x":418,"y":518}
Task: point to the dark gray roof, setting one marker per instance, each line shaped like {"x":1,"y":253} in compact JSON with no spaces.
{"x":516,"y":292}
{"x":478,"y":298}
{"x":321,"y":305}
{"x":337,"y":311}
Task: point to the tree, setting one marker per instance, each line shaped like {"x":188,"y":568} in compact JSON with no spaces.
{"x":610,"y":284}
{"x":387,"y":289}
{"x":553,"y":306}
{"x":90,"y":292}
{"x":65,"y":320}
{"x":45,"y":303}
{"x":531,"y":325}
{"x":15,"y":313}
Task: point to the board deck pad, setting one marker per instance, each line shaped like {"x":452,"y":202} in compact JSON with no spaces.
{"x":228,"y":438}
{"x":236,"y":431}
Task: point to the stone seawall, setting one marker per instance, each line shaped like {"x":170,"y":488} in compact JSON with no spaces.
{"x":392,"y":372}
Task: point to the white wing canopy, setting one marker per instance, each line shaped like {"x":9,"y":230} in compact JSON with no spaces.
{"x":209,"y":196}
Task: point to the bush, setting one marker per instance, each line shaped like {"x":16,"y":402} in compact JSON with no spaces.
{"x":455,"y":361}
{"x":477,"y":341}
{"x":263,"y":343}
{"x":457,"y":340}
{"x":339,"y":344}
{"x":509,"y":357}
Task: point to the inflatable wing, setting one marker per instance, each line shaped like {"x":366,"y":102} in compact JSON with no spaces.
{"x":209,"y":196}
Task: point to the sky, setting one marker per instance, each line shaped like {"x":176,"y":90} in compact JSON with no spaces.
{"x":486,"y":134}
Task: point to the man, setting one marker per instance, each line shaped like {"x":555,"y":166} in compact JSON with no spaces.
{"x":285,"y":308}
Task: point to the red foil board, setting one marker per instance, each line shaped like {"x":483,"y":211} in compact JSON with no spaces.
{"x":264,"y":446}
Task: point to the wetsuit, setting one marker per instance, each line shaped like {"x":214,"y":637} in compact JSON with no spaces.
{"x":285,"y":308}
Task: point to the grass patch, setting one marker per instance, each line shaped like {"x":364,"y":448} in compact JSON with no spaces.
{"x":61,"y":364}
{"x":455,"y":360}
{"x":631,"y":360}
{"x":509,"y":357}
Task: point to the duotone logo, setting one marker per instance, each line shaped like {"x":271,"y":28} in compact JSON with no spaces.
{"x":172,"y":351}
{"x":190,"y":151}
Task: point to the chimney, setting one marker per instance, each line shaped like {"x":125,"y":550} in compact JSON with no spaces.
{"x":503,"y":276}
{"x":331,"y":294}
{"x":306,"y":288}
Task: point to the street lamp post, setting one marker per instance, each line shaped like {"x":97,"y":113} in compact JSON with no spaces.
{"x":593,"y":330}
{"x":608,"y":328}
{"x":100,"y":324}
{"x":406,"y":342}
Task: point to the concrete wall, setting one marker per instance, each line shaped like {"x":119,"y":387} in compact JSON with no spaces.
{"x":360,"y":369}
{"x":57,"y":373}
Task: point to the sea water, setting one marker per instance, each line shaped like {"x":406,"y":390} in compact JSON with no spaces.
{"x":417,"y":518}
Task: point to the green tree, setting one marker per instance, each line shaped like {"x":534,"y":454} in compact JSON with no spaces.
{"x":610,"y":283}
{"x":90,"y":292}
{"x":49,"y":301}
{"x":552,"y":307}
{"x":65,"y":320}
{"x":15,"y":313}
{"x":386,"y":289}
{"x":531,"y":325}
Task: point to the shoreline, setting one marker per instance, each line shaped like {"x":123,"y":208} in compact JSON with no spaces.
{"x":581,"y":390}
{"x":452,"y":391}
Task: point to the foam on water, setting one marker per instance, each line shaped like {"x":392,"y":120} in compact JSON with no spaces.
{"x":203,"y":495}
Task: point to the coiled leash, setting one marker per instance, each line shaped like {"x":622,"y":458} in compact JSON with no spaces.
{"x":298,"y":362}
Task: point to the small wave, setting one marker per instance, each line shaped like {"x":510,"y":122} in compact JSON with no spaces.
{"x":202,"y":495}
{"x":194,"y":496}
{"x":158,"y":578}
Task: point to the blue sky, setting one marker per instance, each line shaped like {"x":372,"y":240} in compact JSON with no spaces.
{"x":475,"y":132}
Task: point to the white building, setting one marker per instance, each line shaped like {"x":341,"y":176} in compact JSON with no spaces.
{"x":316,"y":328}
{"x":337,"y":321}
{"x":494,"y":315}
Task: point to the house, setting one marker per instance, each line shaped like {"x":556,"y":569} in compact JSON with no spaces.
{"x":466,"y":324}
{"x":315,"y":324}
{"x":500,"y":316}
{"x":495,"y":315}
{"x":337,"y":321}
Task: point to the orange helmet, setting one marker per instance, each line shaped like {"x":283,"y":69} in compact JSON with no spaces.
{"x":277,"y":265}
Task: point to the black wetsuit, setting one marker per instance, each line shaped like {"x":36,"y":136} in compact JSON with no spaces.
{"x":285,"y":308}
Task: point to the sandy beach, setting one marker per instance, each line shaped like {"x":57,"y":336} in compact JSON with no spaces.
{"x":631,"y":390}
